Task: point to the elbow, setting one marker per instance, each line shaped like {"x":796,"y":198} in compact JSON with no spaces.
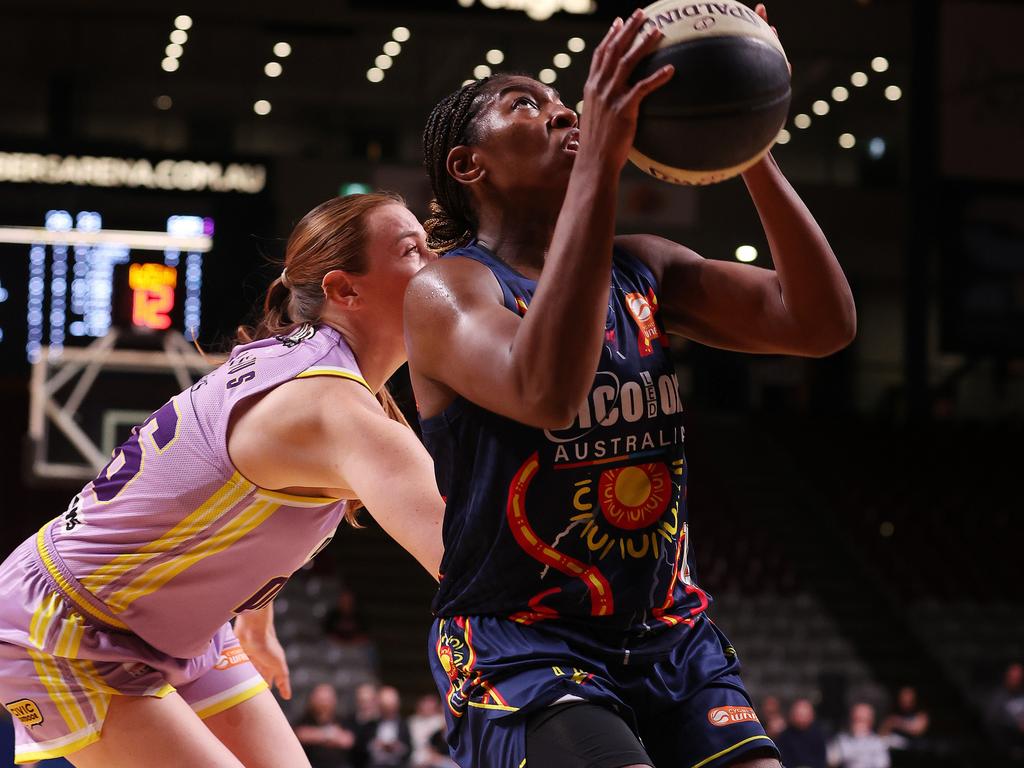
{"x":551,"y":407}
{"x":832,"y":337}
{"x":554,"y":413}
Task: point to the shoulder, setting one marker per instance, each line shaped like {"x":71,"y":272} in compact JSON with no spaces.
{"x":451,"y":282}
{"x":303,"y":409}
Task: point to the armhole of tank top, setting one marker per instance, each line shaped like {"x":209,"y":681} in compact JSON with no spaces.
{"x":221,"y":448}
{"x":508,"y":298}
{"x":636,"y":265}
{"x":444,"y":419}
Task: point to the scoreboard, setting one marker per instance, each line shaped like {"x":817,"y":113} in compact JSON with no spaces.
{"x":72,"y":279}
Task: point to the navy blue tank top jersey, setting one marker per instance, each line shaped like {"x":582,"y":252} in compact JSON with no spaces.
{"x":582,"y":524}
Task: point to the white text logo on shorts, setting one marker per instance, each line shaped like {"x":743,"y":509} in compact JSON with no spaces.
{"x":721,"y":716}
{"x":231,"y":657}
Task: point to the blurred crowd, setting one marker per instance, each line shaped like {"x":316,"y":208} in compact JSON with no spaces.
{"x":375,"y":734}
{"x":903,"y":737}
{"x":366,"y":726}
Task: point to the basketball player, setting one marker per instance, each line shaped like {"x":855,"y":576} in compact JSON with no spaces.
{"x":570,"y":631}
{"x":113,"y":618}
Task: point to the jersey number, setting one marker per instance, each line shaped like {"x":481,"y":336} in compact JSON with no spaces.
{"x":159,"y":430}
{"x":266,"y":593}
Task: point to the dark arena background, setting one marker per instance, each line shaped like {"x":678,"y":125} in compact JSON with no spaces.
{"x":857,"y":518}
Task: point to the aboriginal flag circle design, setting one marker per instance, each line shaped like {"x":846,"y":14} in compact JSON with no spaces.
{"x":634,"y":497}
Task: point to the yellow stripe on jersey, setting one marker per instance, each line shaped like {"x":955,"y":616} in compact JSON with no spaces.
{"x":30,"y":753}
{"x":66,"y":586}
{"x":90,"y":677}
{"x":154,"y":578}
{"x":60,"y":693}
{"x":727,"y":750}
{"x":70,"y":638}
{"x":293,"y":500}
{"x":211,"y":510}
{"x":232,"y":697}
{"x":343,"y":373}
{"x":99,"y":698}
{"x":42,"y":617}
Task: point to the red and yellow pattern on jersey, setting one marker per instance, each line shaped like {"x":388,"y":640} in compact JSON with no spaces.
{"x":568,"y":564}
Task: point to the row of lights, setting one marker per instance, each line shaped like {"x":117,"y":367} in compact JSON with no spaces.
{"x":391,"y":49}
{"x":493,"y":57}
{"x":876,"y":147}
{"x":562,"y":60}
{"x":272,"y":68}
{"x":175,"y":48}
{"x":840,"y":94}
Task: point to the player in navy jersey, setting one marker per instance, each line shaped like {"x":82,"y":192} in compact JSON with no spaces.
{"x":570,"y":630}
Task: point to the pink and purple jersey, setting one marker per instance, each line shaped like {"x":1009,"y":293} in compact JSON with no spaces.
{"x":170,"y":541}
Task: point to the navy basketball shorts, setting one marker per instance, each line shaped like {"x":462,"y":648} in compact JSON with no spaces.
{"x":686,"y":704}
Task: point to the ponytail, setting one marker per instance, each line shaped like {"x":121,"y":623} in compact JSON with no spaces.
{"x":444,"y":231}
{"x":331,"y":236}
{"x":274,"y":320}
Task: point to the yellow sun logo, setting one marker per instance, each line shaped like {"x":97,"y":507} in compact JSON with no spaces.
{"x":634,"y":497}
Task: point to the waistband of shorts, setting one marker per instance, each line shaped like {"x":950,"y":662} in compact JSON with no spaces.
{"x":64,"y":582}
{"x":612,"y":645}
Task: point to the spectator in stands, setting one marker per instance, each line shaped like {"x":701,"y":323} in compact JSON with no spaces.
{"x":343,"y":622}
{"x":906,"y":727}
{"x":802,"y":744}
{"x":423,"y":724}
{"x":389,"y":745}
{"x":860,"y":747}
{"x":327,"y":742}
{"x":437,"y":751}
{"x":1006,"y":712}
{"x":771,"y":716}
{"x":363,"y":722}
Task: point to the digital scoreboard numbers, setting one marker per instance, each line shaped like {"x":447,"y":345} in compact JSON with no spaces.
{"x":79,"y":280}
{"x":152,"y":287}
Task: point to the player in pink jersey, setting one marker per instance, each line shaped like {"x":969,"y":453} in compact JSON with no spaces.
{"x":114,"y":617}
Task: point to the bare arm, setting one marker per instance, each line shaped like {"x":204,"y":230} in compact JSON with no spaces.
{"x":802,"y":307}
{"x":256,"y":633}
{"x":539,"y":368}
{"x":326,"y":432}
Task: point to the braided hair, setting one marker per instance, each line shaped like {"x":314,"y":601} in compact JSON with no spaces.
{"x":452,"y":221}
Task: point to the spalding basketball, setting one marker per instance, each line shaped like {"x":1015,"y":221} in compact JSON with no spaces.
{"x":727,"y":101}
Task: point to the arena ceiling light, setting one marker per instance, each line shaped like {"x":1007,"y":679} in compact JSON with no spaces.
{"x":746,"y":254}
{"x":538,"y":10}
{"x":839,"y":94}
{"x":175,"y":49}
{"x":390,"y":50}
{"x":494,"y":56}
{"x":562,"y":60}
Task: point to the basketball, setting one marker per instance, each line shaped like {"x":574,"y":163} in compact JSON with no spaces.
{"x":727,"y":101}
